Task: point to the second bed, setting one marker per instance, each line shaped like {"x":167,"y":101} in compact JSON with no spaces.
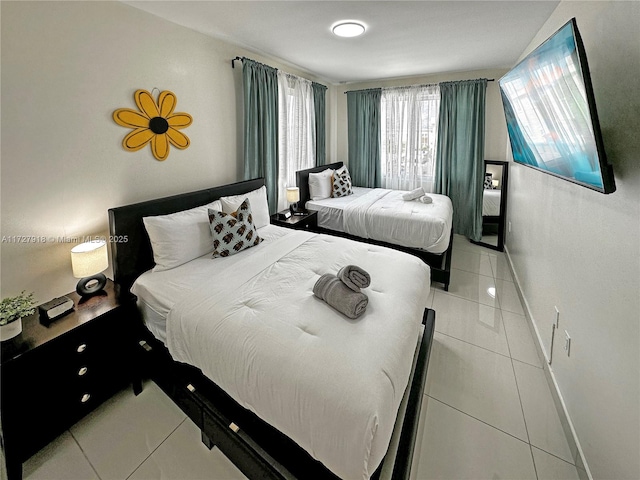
{"x":382,"y":217}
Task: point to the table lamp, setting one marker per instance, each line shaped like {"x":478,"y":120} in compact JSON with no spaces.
{"x":293,"y":196}
{"x":88,"y":261}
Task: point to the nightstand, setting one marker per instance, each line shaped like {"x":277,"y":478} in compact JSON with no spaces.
{"x":306,"y":221}
{"x":53,"y":376}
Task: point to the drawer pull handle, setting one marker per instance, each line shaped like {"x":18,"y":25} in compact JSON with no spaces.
{"x":81,"y":348}
{"x":85,"y":398}
{"x":82,"y":371}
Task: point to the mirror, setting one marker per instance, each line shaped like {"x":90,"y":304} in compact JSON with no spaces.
{"x":494,"y":204}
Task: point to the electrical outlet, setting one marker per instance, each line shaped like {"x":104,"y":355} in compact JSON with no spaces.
{"x":557,"y":320}
{"x":567,"y":343}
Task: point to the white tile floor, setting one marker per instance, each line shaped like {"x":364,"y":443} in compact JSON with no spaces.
{"x":488,"y":414}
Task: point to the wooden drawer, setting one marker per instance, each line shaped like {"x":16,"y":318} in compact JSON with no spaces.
{"x":53,"y":376}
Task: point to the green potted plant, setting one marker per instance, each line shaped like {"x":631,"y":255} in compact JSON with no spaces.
{"x":12,"y":310}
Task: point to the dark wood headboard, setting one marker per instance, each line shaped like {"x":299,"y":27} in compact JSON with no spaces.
{"x":130,"y":244}
{"x":302,"y":179}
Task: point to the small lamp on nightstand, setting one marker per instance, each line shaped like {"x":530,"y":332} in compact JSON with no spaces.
{"x":88,"y":261}
{"x":293,"y":196}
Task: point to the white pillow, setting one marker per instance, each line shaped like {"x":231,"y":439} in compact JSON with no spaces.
{"x":259,"y":205}
{"x":180,"y":237}
{"x":320,"y":184}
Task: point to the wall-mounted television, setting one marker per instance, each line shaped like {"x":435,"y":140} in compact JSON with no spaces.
{"x":551,"y":113}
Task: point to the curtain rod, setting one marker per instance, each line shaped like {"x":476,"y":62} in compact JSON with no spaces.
{"x":240,"y":59}
{"x":407,"y":86}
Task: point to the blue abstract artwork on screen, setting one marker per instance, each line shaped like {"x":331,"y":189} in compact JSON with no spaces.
{"x":550,"y":112}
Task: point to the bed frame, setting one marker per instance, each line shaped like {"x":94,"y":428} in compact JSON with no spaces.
{"x":440,"y":263}
{"x":256,"y":448}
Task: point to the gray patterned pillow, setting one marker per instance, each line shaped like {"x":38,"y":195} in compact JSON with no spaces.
{"x":488,"y":181}
{"x":233,"y":232}
{"x":341,"y":183}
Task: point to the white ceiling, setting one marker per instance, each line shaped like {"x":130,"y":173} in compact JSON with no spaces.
{"x":403,"y":38}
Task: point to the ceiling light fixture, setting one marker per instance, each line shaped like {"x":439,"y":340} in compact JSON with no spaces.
{"x":348,"y":28}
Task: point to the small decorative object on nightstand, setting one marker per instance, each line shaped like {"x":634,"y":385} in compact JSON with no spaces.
{"x":50,"y":377}
{"x":88,"y":261}
{"x":12,"y":311}
{"x":301,"y":221}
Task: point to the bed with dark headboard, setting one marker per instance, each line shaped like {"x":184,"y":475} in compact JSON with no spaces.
{"x":440,"y":263}
{"x":255,"y":447}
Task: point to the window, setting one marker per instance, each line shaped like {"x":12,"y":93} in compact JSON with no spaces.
{"x":296,"y":131}
{"x":409,"y":136}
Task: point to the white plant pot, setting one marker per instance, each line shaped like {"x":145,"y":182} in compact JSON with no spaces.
{"x":10,"y":330}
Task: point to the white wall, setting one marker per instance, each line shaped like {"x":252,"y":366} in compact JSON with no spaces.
{"x":579,"y":250}
{"x":66,"y":66}
{"x":495,"y":126}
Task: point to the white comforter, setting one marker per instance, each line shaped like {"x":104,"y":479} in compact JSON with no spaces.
{"x":331,"y":384}
{"x":491,"y":202}
{"x":383,"y":215}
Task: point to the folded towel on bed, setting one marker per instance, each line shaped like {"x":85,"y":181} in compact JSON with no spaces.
{"x":354,"y":277}
{"x":335,"y":293}
{"x":425,"y":199}
{"x":413,"y":194}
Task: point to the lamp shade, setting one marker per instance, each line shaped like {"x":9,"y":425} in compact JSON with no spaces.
{"x":89,"y":258}
{"x":495,"y":183}
{"x":293,"y":194}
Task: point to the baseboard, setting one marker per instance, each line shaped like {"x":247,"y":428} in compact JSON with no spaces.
{"x":569,"y":430}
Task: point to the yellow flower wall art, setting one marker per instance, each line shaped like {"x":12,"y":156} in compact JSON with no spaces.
{"x":155,"y":123}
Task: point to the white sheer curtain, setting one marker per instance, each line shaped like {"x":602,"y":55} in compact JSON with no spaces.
{"x":296,"y":131}
{"x":409,"y":135}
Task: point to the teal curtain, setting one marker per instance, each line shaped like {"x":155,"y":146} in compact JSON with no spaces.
{"x":363,"y":111}
{"x":260,"y":85}
{"x":460,"y":152}
{"x":319,"y":103}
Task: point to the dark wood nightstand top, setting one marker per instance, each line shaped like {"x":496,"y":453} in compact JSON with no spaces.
{"x":35,"y":334}
{"x":310,"y":217}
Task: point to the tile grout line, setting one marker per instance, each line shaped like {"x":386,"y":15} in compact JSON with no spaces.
{"x":474,"y":345}
{"x":515,"y":377}
{"x":464,"y":298}
{"x":524,"y":418}
{"x":84,"y":454}
{"x":555,"y":456}
{"x":154,"y":450}
{"x":477,"y":419}
{"x":474,"y":273}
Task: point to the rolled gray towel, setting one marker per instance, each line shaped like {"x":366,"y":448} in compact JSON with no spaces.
{"x":354,"y":277}
{"x":413,"y":194}
{"x":335,"y":293}
{"x":425,"y":199}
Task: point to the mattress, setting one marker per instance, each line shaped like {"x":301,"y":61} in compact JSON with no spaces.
{"x":490,"y":203}
{"x":250,"y":322}
{"x":382,"y":215}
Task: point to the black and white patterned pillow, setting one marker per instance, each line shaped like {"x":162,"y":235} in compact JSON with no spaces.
{"x":341,"y":183}
{"x":233,"y":232}
{"x":488,"y":181}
